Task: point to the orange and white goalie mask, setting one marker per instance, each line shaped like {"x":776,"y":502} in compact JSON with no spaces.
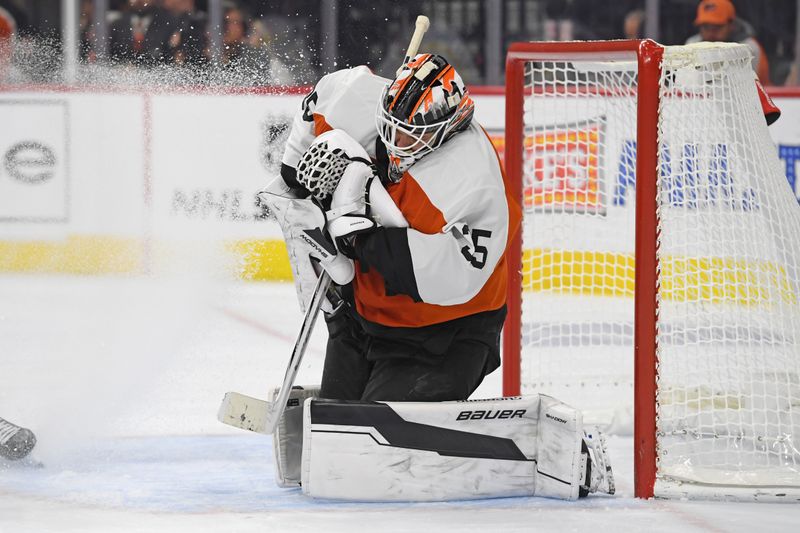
{"x":422,"y":108}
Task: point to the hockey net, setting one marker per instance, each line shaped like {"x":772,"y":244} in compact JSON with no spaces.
{"x":660,"y":240}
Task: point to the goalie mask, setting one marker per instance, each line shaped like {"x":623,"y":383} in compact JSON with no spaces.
{"x":422,"y":108}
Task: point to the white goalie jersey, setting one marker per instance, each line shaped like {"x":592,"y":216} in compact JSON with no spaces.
{"x":450,"y":262}
{"x":346,"y":100}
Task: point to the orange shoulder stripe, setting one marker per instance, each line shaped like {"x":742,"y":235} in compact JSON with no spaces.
{"x":415,"y":205}
{"x":320,"y":125}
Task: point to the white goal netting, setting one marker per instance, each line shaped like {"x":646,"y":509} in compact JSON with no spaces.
{"x":728,"y":327}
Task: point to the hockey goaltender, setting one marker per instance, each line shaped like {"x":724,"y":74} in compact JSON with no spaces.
{"x":394,"y":189}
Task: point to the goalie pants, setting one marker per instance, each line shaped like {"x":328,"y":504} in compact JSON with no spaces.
{"x":371,"y":362}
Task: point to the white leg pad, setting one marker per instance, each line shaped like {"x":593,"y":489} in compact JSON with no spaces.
{"x":409,"y":451}
{"x":287,"y":439}
{"x":438,"y":451}
{"x":560,"y":466}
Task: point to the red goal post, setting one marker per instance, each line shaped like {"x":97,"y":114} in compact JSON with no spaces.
{"x":694,"y":416}
{"x":648,"y":54}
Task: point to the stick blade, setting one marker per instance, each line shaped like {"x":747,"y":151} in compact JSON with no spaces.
{"x":245,"y":412}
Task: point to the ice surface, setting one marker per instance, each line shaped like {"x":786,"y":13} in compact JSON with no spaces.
{"x":121,"y":379}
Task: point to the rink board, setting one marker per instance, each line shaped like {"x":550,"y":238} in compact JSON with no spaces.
{"x":125,"y":182}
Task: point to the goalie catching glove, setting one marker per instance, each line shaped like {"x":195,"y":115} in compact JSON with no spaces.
{"x":338,"y":172}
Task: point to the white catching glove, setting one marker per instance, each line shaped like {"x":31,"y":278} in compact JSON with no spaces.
{"x":303,"y":226}
{"x":336,"y":169}
{"x":359,"y":203}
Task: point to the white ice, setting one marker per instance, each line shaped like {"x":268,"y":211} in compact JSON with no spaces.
{"x":121,"y":378}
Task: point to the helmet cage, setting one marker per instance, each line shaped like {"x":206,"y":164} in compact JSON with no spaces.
{"x":404,"y":140}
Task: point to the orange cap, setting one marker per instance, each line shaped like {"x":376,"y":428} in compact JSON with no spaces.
{"x":715,"y":12}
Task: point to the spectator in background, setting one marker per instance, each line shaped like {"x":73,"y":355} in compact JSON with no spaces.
{"x":188,"y":42}
{"x":716,"y":21}
{"x":142,"y":34}
{"x":8,"y":29}
{"x":235,"y":46}
{"x":633,"y":25}
{"x":25,"y":56}
{"x":241,"y":62}
{"x":281,"y":56}
{"x":86,"y":23}
{"x":12,"y":12}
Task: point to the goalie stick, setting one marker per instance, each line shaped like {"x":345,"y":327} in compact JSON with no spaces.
{"x":244,"y":412}
{"x":420,"y":27}
{"x":256,"y":415}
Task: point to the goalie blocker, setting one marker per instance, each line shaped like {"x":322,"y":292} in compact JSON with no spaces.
{"x":437,"y":451}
